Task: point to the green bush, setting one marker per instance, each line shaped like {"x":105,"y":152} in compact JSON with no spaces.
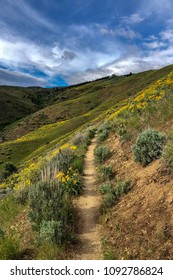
{"x":109,"y":200}
{"x":78,"y":164}
{"x":8,"y":169}
{"x":106,"y":188}
{"x":121,"y":187}
{"x":84,"y":137}
{"x":102,"y":136}
{"x":91,"y":133}
{"x":102,"y":153}
{"x":48,"y":202}
{"x":71,"y":182}
{"x":168,"y":153}
{"x":51,"y":232}
{"x":148,"y":146}
{"x":103,"y":131}
{"x":124,"y":134}
{"x":111,"y":193}
{"x":106,"y":171}
{"x":104,"y":126}
{"x":80,"y":138}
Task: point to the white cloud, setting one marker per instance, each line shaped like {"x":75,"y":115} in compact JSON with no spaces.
{"x":18,"y":53}
{"x":51,"y":60}
{"x":167,"y":35}
{"x":133,"y":61}
{"x":132,"y":19}
{"x":23,"y":9}
{"x":71,"y":59}
{"x":151,"y":38}
{"x":15,"y":78}
{"x":154,"y":45}
{"x":125,"y":32}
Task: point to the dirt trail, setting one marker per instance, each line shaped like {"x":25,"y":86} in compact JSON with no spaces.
{"x":88,"y":208}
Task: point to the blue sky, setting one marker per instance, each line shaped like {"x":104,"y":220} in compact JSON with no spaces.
{"x":53,"y":43}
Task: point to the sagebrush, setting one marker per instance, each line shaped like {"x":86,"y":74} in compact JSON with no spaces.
{"x":148,"y":146}
{"x":102,"y":153}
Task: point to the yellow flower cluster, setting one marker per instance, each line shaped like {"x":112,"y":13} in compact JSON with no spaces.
{"x":71,"y":176}
{"x":40,"y":132}
{"x":153,"y":93}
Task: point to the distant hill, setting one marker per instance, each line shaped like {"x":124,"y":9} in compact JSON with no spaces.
{"x":18,"y":102}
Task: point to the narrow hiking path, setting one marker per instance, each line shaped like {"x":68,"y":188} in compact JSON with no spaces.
{"x":88,"y":210}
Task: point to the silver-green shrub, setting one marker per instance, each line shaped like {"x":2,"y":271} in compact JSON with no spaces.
{"x":102,"y":153}
{"x":51,"y":207}
{"x":148,"y":146}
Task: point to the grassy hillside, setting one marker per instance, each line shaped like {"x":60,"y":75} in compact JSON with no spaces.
{"x":120,"y":108}
{"x":74,"y":106}
{"x":18,"y":102}
{"x":67,"y":103}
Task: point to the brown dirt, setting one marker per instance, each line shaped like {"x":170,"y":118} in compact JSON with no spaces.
{"x":140,"y":225}
{"x":89,"y":247}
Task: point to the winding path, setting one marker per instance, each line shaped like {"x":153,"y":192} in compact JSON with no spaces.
{"x":88,"y":209}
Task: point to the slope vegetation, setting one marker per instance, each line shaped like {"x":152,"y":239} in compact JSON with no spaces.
{"x":138,"y":222}
{"x":74,"y":106}
{"x":136,"y":199}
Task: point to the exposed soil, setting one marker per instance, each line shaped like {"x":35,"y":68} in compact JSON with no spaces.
{"x":140,"y":225}
{"x":89,"y":247}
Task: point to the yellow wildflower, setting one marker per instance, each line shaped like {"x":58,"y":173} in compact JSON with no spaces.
{"x":63,"y":180}
{"x":67,"y":178}
{"x":65,"y":146}
{"x":17,"y":187}
{"x":73,"y":147}
{"x":59,"y":175}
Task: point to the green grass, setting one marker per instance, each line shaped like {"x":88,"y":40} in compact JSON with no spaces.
{"x":76,"y":106}
{"x":40,"y":141}
{"x":9,"y":209}
{"x":18,"y":102}
{"x":70,"y":102}
{"x":109,"y":253}
{"x":9,"y":248}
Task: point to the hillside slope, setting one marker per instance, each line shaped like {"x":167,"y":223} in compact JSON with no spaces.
{"x":18,"y":102}
{"x":49,"y":146}
{"x":72,"y":108}
{"x":66,"y":103}
{"x":138,"y":224}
